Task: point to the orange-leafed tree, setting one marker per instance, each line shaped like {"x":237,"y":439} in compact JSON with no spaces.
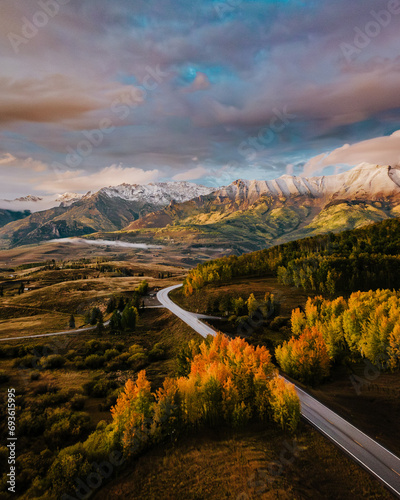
{"x":305,"y":358}
{"x":132,"y":414}
{"x":285,"y":404}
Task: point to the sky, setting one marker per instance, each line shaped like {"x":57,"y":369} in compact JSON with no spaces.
{"x":97,"y":92}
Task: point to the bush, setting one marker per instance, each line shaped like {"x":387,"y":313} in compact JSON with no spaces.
{"x":3,"y":377}
{"x":99,"y":388}
{"x":63,"y":426}
{"x":278,"y":322}
{"x":31,"y":424}
{"x":46,"y":387}
{"x":111,"y":353}
{"x":53,"y":361}
{"x":157,"y":352}
{"x":35,"y":375}
{"x":54,"y":399}
{"x":77,"y":403}
{"x":28,"y":361}
{"x":94,"y":361}
{"x":64,"y":470}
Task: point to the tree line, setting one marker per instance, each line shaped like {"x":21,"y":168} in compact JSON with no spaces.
{"x":360,"y":259}
{"x":227,"y":382}
{"x":366,"y":325}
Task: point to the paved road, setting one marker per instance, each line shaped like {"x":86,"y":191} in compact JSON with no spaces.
{"x":372,"y":456}
{"x":186,"y":316}
{"x":65,"y":332}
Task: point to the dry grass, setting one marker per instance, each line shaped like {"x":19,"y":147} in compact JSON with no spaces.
{"x":221,"y":464}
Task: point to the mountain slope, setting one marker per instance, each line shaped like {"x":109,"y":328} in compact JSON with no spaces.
{"x":248,"y":215}
{"x":110,"y":209}
{"x":7,"y":216}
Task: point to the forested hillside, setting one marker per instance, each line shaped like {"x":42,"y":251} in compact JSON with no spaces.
{"x":360,"y":259}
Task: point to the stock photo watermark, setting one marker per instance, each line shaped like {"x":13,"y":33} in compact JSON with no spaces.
{"x":11,"y":440}
{"x":103,"y":471}
{"x":262,"y":478}
{"x":40,"y":19}
{"x":121,"y":108}
{"x":371,"y":30}
{"x":372,"y":371}
{"x":266,"y":135}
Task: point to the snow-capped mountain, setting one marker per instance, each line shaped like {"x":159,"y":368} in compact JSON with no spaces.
{"x":365,"y":181}
{"x":160,"y":193}
{"x":66,"y":199}
{"x":249,"y":215}
{"x":109,"y":209}
{"x":253,"y":213}
{"x":38,"y":203}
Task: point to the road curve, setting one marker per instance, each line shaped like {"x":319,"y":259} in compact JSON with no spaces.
{"x":186,"y":316}
{"x":376,"y":459}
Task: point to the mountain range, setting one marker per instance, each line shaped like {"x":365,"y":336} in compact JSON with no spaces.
{"x":243,"y":216}
{"x":109,"y":209}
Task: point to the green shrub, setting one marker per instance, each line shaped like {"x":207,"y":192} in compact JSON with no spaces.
{"x":111,"y":353}
{"x":53,"y":361}
{"x":99,"y":388}
{"x":27,"y":361}
{"x":157,"y":352}
{"x":65,"y":469}
{"x":31,"y":424}
{"x":94,"y":361}
{"x":78,"y":402}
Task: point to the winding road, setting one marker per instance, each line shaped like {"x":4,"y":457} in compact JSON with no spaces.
{"x":65,"y":332}
{"x":376,"y":459}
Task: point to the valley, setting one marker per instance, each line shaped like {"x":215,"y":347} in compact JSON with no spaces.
{"x":72,"y":389}
{"x":242,"y":217}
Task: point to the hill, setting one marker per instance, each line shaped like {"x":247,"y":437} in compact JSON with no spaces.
{"x":109,"y":209}
{"x":249,"y":215}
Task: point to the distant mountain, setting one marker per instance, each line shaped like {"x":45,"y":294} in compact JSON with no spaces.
{"x":7,"y":216}
{"x":32,"y":203}
{"x":247,"y":215}
{"x":244,"y":216}
{"x":109,"y":209}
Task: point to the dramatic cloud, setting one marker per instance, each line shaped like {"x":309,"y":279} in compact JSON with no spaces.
{"x":192,"y":174}
{"x":178,"y":80}
{"x":80,"y":181}
{"x":378,"y":151}
{"x":8,"y":160}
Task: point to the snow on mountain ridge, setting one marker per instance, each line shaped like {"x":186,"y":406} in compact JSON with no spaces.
{"x":161,"y":193}
{"x":362,"y":181}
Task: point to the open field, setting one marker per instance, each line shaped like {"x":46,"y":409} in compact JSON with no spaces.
{"x":169,"y":254}
{"x":54,"y":291}
{"x":256,"y":463}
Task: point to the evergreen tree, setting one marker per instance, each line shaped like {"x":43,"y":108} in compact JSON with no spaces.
{"x":129,"y":317}
{"x":72,"y":321}
{"x":115,"y":322}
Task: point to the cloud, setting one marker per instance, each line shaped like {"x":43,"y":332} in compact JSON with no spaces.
{"x":258,"y":57}
{"x":192,"y":174}
{"x":80,"y":181}
{"x":119,"y":244}
{"x":8,"y":160}
{"x":58,"y":98}
{"x":201,"y":82}
{"x":378,"y":151}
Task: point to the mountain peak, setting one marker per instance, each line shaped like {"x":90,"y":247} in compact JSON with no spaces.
{"x":365,"y":181}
